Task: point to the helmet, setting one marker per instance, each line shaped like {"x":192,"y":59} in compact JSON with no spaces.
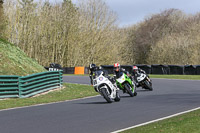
{"x":116,"y":66}
{"x":135,"y":68}
{"x":92,"y":67}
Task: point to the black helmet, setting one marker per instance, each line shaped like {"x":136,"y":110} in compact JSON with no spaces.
{"x":92,"y":67}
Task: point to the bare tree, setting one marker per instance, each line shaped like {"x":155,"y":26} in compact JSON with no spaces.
{"x":2,"y":23}
{"x":99,"y":35}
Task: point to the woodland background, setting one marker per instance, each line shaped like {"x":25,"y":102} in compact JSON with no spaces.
{"x":77,"y":35}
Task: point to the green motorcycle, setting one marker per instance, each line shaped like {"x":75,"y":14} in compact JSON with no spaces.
{"x":125,"y":83}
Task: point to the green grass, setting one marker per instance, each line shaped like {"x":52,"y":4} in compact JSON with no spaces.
{"x":187,"y":77}
{"x":71,"y":91}
{"x":14,"y":61}
{"x":186,"y":123}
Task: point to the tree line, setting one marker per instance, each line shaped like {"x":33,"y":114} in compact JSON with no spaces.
{"x":170,"y":37}
{"x":77,"y":35}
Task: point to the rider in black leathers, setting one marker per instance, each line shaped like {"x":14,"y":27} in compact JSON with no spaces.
{"x":135,"y":73}
{"x":92,"y":68}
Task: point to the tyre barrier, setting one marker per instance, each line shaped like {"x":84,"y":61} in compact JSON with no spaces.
{"x":149,"y":69}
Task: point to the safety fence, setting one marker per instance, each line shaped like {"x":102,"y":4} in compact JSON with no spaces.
{"x":9,"y":86}
{"x":161,"y":69}
{"x":150,"y":69}
{"x":26,"y":86}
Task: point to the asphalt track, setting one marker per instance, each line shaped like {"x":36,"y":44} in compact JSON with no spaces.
{"x":94,"y":115}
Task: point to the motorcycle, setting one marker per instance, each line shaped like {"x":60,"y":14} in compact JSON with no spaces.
{"x":105,"y":87}
{"x":144,"y":81}
{"x":125,"y":83}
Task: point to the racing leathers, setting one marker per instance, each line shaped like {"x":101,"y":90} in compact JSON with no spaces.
{"x":135,"y":74}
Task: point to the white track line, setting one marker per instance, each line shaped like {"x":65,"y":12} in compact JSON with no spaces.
{"x":142,"y":124}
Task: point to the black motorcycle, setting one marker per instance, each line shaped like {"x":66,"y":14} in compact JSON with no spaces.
{"x":144,"y":81}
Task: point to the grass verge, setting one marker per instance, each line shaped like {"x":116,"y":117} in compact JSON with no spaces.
{"x":187,"y":77}
{"x":13,"y":61}
{"x":71,"y":91}
{"x":186,"y":123}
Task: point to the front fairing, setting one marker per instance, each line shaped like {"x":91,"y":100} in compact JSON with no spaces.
{"x":121,"y":80}
{"x":141,"y":77}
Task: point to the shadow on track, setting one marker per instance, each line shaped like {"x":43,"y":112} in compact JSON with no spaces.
{"x":143,"y":90}
{"x":125,"y":96}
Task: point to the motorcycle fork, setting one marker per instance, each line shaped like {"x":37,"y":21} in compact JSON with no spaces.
{"x":148,"y":79}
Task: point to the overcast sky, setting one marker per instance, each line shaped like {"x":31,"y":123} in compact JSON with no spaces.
{"x":133,"y":11}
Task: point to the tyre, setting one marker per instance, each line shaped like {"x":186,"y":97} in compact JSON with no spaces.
{"x":148,"y":85}
{"x":117,"y":98}
{"x":128,"y":89}
{"x":106,"y":95}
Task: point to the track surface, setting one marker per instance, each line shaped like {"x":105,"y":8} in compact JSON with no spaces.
{"x":94,"y":115}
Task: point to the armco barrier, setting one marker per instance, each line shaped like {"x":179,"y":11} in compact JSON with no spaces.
{"x":26,"y":86}
{"x":9,"y":86}
{"x":36,"y":83}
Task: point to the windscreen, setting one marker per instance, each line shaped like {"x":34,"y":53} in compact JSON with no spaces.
{"x":98,"y":73}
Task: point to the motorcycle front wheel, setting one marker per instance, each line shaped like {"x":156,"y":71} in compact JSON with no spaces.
{"x":148,"y":85}
{"x":106,"y":95}
{"x":128,"y":89}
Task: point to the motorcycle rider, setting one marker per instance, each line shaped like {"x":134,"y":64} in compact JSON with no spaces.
{"x":135,"y":73}
{"x":118,"y":69}
{"x":92,"y":68}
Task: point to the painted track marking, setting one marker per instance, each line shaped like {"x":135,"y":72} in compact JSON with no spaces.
{"x":156,"y":120}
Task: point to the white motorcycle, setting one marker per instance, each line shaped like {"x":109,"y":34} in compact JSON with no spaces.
{"x":105,"y":87}
{"x":144,"y":81}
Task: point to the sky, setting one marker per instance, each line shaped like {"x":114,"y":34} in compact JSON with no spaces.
{"x":133,"y":11}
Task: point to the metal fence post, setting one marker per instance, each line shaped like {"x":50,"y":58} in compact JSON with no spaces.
{"x":60,"y":77}
{"x":19,"y":87}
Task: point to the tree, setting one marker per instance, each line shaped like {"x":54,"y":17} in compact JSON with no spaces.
{"x":151,"y":30}
{"x":2,"y":23}
{"x":99,"y":36}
